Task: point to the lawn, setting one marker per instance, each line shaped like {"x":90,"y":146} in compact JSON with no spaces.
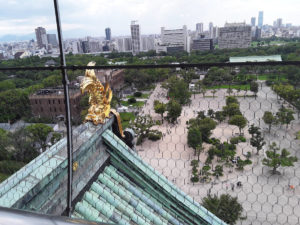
{"x":226,"y":86}
{"x":144,"y":96}
{"x":126,"y":117}
{"x":137,"y":104}
{"x":271,"y":77}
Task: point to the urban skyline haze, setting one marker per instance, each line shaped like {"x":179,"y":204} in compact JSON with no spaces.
{"x":81,"y":18}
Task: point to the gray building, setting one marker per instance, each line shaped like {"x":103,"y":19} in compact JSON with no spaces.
{"x":203,"y":44}
{"x":235,"y":35}
{"x":253,"y":21}
{"x":51,"y":38}
{"x":108,"y":34}
{"x":260,"y":19}
{"x":135,"y":37}
{"x":199,"y":27}
{"x":41,"y":37}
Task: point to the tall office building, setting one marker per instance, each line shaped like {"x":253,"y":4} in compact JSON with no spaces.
{"x":51,"y":38}
{"x":41,"y":37}
{"x":199,"y":27}
{"x":175,"y":38}
{"x":108,"y":33}
{"x":135,"y":37}
{"x":260,"y":19}
{"x":279,"y":22}
{"x":235,"y":35}
{"x":253,"y":21}
{"x":211,"y":27}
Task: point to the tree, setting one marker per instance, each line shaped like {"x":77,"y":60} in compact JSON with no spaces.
{"x":232,"y":109}
{"x":225,"y":207}
{"x":257,"y":141}
{"x":275,"y":160}
{"x":269,"y":119}
{"x":218,"y":171}
{"x":253,"y":130}
{"x":254,"y":88}
{"x":219,"y":115}
{"x":55,"y":137}
{"x":195,"y":139}
{"x":141,"y":126}
{"x":205,"y":127}
{"x":160,"y":108}
{"x":39,"y":133}
{"x":174,"y":110}
{"x":214,"y":91}
{"x":285,"y":116}
{"x":5,"y":142}
{"x":231,"y":99}
{"x":203,"y":90}
{"x":239,"y":121}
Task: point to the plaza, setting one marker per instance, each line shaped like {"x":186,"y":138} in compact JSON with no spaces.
{"x":266,"y":198}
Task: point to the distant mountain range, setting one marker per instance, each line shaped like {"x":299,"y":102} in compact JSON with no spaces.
{"x":13,"y":37}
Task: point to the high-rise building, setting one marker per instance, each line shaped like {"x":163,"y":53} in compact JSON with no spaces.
{"x":51,"y":38}
{"x":108,"y":33}
{"x":175,"y":38}
{"x":127,"y":44}
{"x":202,"y":44}
{"x":235,"y":35}
{"x":253,"y":21}
{"x":148,"y":43}
{"x":260,"y":19}
{"x":41,"y":37}
{"x":199,"y":27}
{"x":211,"y":27}
{"x":215,"y":32}
{"x":279,"y":22}
{"x":135,"y":37}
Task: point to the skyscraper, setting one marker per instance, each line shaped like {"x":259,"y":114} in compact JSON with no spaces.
{"x":41,"y":37}
{"x":199,"y":27}
{"x":253,"y":21}
{"x":108,"y":34}
{"x":279,"y":22}
{"x":260,"y":19}
{"x":135,"y":37}
{"x":175,"y":38}
{"x":211,"y":27}
{"x":51,"y":38}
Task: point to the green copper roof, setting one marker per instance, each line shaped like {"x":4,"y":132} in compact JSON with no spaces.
{"x":267,"y":58}
{"x":129,"y":191}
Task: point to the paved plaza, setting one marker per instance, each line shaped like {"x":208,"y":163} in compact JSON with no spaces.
{"x":266,"y":198}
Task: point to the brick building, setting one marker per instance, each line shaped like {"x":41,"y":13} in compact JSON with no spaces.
{"x":115,"y":78}
{"x":49,"y":103}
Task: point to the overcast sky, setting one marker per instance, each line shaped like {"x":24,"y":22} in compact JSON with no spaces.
{"x":90,"y":17}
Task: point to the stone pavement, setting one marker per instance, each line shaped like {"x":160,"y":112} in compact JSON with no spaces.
{"x":266,"y":198}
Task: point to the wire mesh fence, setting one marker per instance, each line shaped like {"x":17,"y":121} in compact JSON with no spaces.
{"x":266,"y":198}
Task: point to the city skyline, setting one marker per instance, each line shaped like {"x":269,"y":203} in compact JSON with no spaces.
{"x":80,"y":19}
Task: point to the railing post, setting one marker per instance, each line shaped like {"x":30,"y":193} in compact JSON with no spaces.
{"x":65,"y":82}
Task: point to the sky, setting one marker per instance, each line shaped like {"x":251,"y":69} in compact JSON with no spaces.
{"x":82,"y":18}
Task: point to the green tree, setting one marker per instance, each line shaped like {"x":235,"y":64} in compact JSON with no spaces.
{"x":142,"y":127}
{"x":160,"y":108}
{"x":219,"y":115}
{"x":269,"y":119}
{"x":39,"y":133}
{"x":232,"y":109}
{"x":218,"y":171}
{"x":275,"y":159}
{"x":254,"y":88}
{"x":257,"y":141}
{"x":205,"y":126}
{"x":239,"y":121}
{"x":214,"y":91}
{"x":55,"y":137}
{"x":225,"y":207}
{"x":253,"y":130}
{"x":5,"y":142}
{"x":285,"y":116}
{"x":231,"y":99}
{"x":174,"y":110}
{"x":195,"y":139}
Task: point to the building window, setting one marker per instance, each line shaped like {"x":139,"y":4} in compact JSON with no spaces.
{"x":54,"y":109}
{"x":36,"y":102}
{"x":58,"y":101}
{"x":50,"y":109}
{"x":49,"y":101}
{"x":53,"y":101}
{"x":41,"y":109}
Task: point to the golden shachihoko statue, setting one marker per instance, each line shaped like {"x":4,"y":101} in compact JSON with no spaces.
{"x":100,"y":96}
{"x":99,"y":100}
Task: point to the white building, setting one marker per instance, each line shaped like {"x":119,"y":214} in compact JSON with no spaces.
{"x":175,"y":38}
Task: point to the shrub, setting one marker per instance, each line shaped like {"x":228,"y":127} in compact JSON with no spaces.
{"x":154,"y":136}
{"x":139,"y":140}
{"x":195,"y":163}
{"x":195,"y":179}
{"x":157,"y":122}
{"x":131,"y":100}
{"x":248,"y":162}
{"x":10,"y":167}
{"x":235,"y":140}
{"x":137,"y":94}
{"x":242,"y":139}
